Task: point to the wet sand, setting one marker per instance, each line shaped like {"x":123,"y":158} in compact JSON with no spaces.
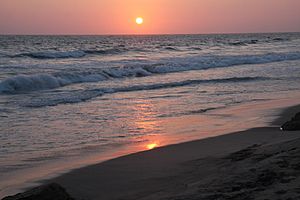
{"x":259,"y":163}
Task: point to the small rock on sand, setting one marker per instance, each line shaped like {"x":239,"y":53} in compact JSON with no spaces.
{"x":51,"y":191}
{"x":293,"y":124}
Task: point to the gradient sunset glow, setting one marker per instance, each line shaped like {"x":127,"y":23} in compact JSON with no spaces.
{"x":163,"y":16}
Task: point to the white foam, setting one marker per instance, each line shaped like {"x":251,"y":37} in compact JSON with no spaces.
{"x":22,"y":83}
{"x":84,"y":95}
{"x":29,"y":83}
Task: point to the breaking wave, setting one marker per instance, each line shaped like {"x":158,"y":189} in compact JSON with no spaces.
{"x":84,"y":95}
{"x":22,"y":83}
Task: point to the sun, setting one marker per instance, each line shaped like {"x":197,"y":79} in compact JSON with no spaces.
{"x":139,"y":20}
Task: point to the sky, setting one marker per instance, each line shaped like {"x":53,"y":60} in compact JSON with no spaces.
{"x":160,"y":16}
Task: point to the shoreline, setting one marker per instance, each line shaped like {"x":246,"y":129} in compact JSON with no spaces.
{"x":144,"y":174}
{"x":123,"y":176}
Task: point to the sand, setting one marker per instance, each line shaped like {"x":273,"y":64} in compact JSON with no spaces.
{"x":259,"y":163}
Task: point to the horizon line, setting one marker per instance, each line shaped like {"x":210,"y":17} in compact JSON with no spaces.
{"x":136,"y":34}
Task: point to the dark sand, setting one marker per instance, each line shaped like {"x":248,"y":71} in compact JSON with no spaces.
{"x":260,"y":163}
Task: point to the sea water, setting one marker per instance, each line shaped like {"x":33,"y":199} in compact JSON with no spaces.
{"x":68,"y":99}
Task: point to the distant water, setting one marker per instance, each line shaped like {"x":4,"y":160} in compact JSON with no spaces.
{"x":64,"y":97}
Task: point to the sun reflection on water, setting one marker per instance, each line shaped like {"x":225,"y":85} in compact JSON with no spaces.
{"x":146,"y":124}
{"x":151,"y":146}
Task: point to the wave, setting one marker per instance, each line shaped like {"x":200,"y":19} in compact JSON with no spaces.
{"x":2,"y":55}
{"x":52,"y":54}
{"x":171,"y":48}
{"x":182,"y":83}
{"x":81,"y":96}
{"x":106,"y":51}
{"x":243,"y":43}
{"x":69,"y":54}
{"x":191,"y":112}
{"x":255,"y":41}
{"x":195,"y":48}
{"x":64,"y":98}
{"x":22,"y":83}
{"x":280,"y":39}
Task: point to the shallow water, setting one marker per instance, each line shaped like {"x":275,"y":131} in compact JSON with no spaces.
{"x":79,"y":98}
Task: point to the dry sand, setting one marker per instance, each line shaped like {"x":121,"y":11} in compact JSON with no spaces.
{"x":260,"y":163}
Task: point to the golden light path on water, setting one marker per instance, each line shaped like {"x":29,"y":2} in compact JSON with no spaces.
{"x":146,"y":122}
{"x":151,"y":146}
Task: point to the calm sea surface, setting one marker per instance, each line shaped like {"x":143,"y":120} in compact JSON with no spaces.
{"x":64,"y":99}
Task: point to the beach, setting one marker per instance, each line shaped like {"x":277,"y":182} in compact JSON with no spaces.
{"x":73,"y":106}
{"x":149,"y":100}
{"x":258,"y":163}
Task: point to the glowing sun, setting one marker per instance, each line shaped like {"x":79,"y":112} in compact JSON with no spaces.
{"x":139,"y":20}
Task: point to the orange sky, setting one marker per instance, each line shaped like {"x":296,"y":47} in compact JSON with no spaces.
{"x":160,"y":16}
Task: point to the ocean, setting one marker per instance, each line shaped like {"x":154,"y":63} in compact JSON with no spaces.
{"x":68,"y":101}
